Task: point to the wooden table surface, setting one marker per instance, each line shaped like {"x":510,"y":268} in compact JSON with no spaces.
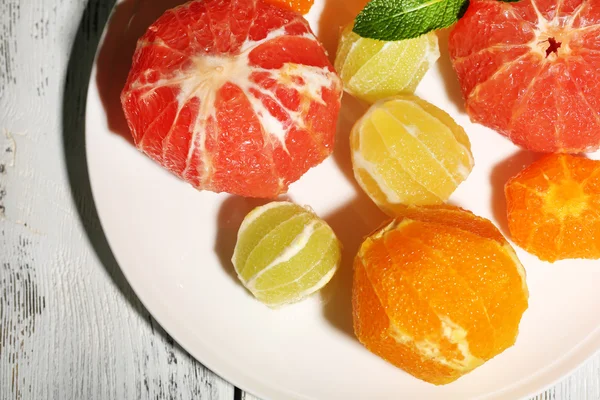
{"x":70,"y":325}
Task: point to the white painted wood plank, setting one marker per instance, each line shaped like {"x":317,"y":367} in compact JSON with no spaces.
{"x":70,"y":326}
{"x":583,"y":383}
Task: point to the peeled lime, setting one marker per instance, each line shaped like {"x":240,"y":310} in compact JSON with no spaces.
{"x":284,"y":253}
{"x":373,"y":69}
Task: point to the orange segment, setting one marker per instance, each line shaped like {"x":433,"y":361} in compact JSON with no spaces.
{"x":493,"y":285}
{"x":426,"y":322}
{"x":300,"y":6}
{"x":372,"y":323}
{"x":454,"y":216}
{"x":437,"y":292}
{"x":429,"y":274}
{"x":552,"y":208}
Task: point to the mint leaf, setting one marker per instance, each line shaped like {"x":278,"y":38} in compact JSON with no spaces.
{"x":406,"y":19}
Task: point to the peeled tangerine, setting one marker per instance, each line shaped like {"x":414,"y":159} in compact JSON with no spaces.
{"x":284,"y":253}
{"x":438,"y":292}
{"x":553,"y":208}
{"x":373,"y":69}
{"x":406,"y":151}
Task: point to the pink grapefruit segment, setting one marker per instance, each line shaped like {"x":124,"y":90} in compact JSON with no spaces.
{"x":530,"y":70}
{"x":233,"y":96}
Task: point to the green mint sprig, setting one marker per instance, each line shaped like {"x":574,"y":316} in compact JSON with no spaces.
{"x":406,"y":19}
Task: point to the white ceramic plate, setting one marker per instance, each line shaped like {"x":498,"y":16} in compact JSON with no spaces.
{"x":174,"y":244}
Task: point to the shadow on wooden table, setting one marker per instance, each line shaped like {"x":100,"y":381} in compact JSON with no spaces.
{"x":73,"y":124}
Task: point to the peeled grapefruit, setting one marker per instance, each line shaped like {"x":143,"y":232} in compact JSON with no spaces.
{"x":530,"y":70}
{"x":233,"y":96}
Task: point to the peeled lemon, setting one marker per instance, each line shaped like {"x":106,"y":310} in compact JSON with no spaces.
{"x":406,"y":151}
{"x":284,"y":253}
{"x":373,"y":69}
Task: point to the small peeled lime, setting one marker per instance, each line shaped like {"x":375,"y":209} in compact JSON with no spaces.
{"x":374,"y":70}
{"x":284,"y":253}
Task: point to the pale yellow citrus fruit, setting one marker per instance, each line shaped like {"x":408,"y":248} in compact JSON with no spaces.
{"x":373,"y":69}
{"x":284,"y":253}
{"x":406,"y":151}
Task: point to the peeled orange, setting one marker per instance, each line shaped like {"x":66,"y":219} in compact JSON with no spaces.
{"x":438,"y":292}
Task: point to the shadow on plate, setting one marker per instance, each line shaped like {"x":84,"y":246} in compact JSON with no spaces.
{"x":351,"y":223}
{"x":501,"y":173}
{"x":352,"y":109}
{"x":129,"y":21}
{"x":79,"y":70}
{"x":231,"y":214}
{"x":336,"y":15}
{"x":444,"y":66}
